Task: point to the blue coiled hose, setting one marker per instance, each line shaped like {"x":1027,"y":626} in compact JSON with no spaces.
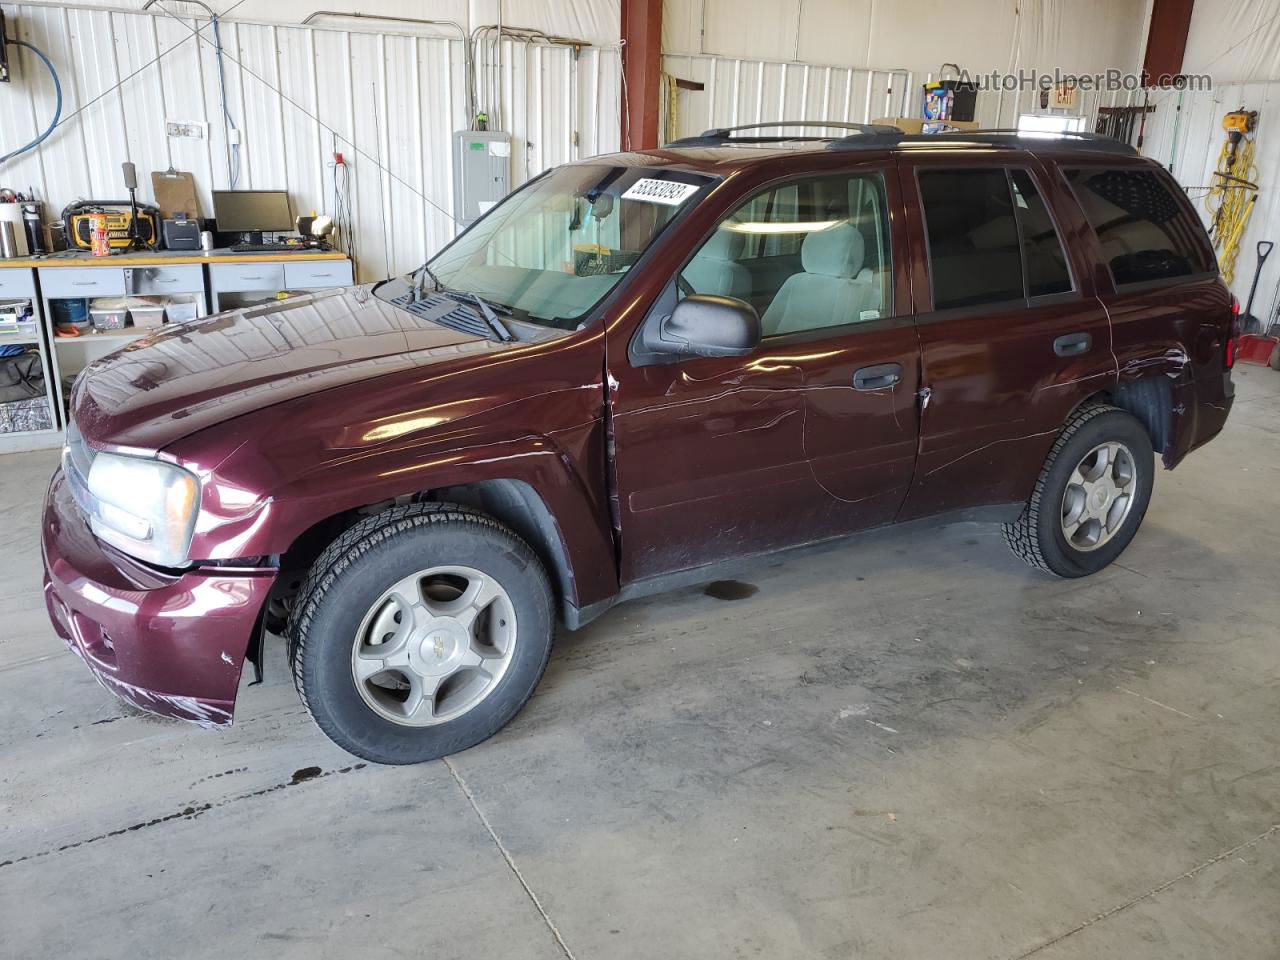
{"x":57,"y":110}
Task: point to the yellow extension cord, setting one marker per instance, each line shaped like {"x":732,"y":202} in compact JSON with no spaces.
{"x":1230,"y":200}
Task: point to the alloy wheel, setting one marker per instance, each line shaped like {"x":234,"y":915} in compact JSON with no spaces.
{"x":434,"y":645}
{"x":1099,"y":495}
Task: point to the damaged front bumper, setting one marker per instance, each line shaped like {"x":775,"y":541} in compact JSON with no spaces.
{"x":172,"y":644}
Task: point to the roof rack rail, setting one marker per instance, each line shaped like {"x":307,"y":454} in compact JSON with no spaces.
{"x":879,"y":136}
{"x":886,"y":138}
{"x":721,"y":136}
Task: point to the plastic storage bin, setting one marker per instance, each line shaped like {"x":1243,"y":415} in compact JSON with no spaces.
{"x":109,"y":313}
{"x":181,"y":310}
{"x":17,"y":325}
{"x":148,"y":311}
{"x":15,"y":311}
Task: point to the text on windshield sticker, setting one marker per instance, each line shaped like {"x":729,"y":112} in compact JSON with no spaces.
{"x":660,"y":191}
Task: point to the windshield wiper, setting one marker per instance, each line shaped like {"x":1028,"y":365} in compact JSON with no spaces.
{"x":419,"y":285}
{"x":487,"y":311}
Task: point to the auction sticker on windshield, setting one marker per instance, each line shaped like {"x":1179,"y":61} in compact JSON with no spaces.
{"x":660,"y":191}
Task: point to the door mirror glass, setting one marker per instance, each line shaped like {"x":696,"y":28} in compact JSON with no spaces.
{"x":705,"y":325}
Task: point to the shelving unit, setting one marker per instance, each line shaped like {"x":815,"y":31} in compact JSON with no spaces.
{"x":20,"y":286}
{"x":116,"y":277}
{"x":207,"y":277}
{"x":127,"y":334}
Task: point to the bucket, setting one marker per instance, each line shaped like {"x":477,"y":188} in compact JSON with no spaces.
{"x":73,"y":312}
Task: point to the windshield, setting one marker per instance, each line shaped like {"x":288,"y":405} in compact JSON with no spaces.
{"x":553,"y":250}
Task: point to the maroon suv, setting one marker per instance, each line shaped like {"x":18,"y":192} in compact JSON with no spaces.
{"x":634,"y":367}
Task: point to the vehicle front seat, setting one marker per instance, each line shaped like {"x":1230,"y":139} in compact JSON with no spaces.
{"x":829,"y":292}
{"x":715,"y":268}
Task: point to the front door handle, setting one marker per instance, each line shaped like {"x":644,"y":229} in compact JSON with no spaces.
{"x":1072,"y":344}
{"x":877,"y":377}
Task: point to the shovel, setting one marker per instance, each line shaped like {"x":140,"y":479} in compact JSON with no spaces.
{"x":1249,"y":323}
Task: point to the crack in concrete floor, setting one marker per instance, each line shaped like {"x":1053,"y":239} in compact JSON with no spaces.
{"x":511,"y":863}
{"x":1154,"y":891}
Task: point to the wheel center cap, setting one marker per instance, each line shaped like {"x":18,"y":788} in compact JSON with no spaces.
{"x":441,"y":646}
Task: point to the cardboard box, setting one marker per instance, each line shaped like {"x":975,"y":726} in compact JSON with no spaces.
{"x":918,"y":124}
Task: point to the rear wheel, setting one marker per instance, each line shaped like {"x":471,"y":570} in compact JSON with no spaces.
{"x":420,"y":632}
{"x":1090,"y":497}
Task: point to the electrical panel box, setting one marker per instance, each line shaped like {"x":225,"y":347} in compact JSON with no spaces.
{"x":481,"y":172}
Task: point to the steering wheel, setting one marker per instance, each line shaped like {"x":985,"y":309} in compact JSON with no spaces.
{"x":684,"y":286}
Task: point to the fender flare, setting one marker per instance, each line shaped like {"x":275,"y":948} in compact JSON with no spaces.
{"x":530,"y":482}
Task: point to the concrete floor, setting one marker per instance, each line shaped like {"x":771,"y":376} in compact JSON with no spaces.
{"x":910,"y":746}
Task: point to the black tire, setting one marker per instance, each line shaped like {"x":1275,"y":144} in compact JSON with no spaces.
{"x":1037,"y":536}
{"x":354,"y":571}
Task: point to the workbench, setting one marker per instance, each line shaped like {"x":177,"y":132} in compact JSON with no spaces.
{"x":215,"y":280}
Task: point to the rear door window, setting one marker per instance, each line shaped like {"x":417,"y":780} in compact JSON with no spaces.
{"x":1146,"y":232}
{"x":973,"y":237}
{"x":991,"y":237}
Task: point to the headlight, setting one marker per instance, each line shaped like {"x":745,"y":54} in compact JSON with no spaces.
{"x":147,"y":508}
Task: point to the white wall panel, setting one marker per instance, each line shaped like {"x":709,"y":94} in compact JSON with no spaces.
{"x":1237,"y":43}
{"x":388,"y":101}
{"x":1192,"y":155}
{"x":1235,"y":40}
{"x":595,"y":21}
{"x":982,"y":35}
{"x":737,"y":91}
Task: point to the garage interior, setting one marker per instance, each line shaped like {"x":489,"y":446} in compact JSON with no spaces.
{"x":904,"y":744}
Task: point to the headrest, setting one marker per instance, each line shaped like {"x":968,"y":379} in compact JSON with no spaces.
{"x":837,"y":252}
{"x":725,"y":244}
{"x":998,"y":233}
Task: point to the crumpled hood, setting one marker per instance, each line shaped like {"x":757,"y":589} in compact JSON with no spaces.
{"x":188,"y":376}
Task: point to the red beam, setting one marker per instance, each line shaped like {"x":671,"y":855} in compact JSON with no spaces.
{"x":1166,"y":41}
{"x":641,"y":73}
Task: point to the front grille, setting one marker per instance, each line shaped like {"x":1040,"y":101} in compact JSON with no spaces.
{"x":445,"y":311}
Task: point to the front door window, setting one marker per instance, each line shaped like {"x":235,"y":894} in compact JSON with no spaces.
{"x":808,"y":255}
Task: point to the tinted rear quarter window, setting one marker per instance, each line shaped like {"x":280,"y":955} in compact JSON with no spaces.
{"x":1145,"y":231}
{"x":1044,"y":258}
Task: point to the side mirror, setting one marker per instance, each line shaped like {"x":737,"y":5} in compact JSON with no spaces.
{"x":705,"y":325}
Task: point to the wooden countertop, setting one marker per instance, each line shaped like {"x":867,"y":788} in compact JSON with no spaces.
{"x":164,"y":258}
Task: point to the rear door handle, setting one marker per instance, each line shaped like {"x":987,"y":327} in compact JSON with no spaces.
{"x":1072,"y":344}
{"x":877,"y":377}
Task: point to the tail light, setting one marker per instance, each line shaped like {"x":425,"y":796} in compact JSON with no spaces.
{"x":1233,"y":329}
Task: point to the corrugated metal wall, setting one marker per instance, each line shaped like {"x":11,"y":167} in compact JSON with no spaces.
{"x":1185,"y":134}
{"x":738,"y":91}
{"x":389,"y":101}
{"x":755,"y":91}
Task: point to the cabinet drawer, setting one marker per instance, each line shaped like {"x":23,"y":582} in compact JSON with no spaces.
{"x":161,"y":280}
{"x":16,"y":283}
{"x":317,"y":274}
{"x":245,"y":277}
{"x":82,"y":282}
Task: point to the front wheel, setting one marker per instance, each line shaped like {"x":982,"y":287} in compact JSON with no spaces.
{"x":1090,"y":497}
{"x":420,"y":632}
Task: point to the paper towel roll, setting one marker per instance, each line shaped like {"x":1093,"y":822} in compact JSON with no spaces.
{"x":12,"y":213}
